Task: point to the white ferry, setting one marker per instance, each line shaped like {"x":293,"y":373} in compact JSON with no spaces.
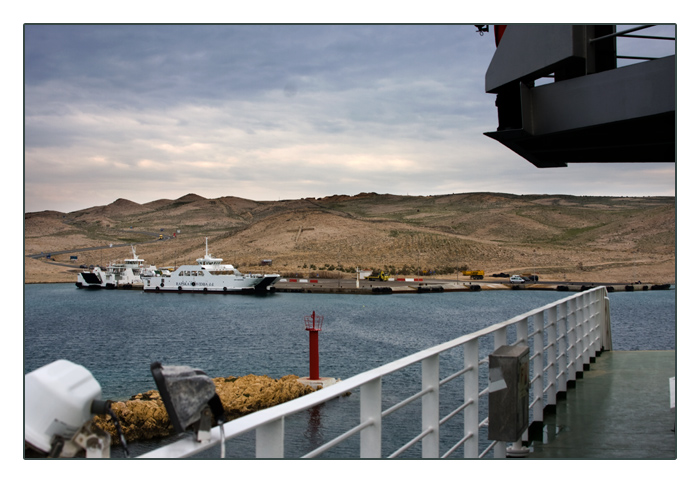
{"x":97,"y":278}
{"x":210,"y":275}
{"x":129,"y":274}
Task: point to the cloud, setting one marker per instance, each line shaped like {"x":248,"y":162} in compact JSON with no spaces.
{"x":269,"y":111}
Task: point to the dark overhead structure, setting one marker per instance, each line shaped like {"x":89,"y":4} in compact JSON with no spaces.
{"x":588,"y":110}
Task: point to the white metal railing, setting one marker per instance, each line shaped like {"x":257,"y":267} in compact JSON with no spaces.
{"x":564,"y":337}
{"x":627,"y":33}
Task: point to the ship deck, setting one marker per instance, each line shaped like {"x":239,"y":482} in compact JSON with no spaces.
{"x":620,"y":409}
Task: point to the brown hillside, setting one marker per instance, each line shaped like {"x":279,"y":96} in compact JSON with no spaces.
{"x":560,"y":237}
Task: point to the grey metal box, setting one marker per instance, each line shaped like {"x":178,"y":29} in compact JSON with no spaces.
{"x":509,"y":384}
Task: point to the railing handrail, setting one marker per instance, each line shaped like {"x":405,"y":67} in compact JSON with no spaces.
{"x":236,"y":427}
{"x":621,"y":33}
{"x":627,"y":34}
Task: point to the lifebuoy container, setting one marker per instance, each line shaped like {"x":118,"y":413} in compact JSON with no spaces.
{"x":193,"y":284}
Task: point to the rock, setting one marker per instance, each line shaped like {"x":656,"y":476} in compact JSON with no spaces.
{"x":144,"y":417}
{"x":139,"y":420}
{"x":251,"y":393}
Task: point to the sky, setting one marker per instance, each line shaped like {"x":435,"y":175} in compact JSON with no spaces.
{"x":270,"y":112}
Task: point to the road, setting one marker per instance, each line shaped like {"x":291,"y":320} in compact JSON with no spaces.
{"x":113,"y":245}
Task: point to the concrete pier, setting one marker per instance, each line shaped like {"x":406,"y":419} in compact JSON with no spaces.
{"x":419,"y":285}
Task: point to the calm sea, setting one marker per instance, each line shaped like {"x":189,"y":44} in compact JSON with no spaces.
{"x":117,"y":334}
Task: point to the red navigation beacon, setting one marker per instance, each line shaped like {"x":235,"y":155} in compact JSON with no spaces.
{"x":313,"y":324}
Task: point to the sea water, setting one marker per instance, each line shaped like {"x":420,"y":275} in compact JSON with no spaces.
{"x":117,"y":334}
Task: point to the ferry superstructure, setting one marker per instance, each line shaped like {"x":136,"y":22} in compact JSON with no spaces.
{"x":117,"y":275}
{"x":210,"y":275}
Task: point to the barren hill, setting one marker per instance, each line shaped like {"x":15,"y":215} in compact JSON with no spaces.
{"x":583,"y":238}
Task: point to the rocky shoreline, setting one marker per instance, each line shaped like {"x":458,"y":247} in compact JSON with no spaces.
{"x":144,"y":417}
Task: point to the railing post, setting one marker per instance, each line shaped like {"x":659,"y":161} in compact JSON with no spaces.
{"x":499,"y":450}
{"x":562,"y":369}
{"x":269,"y":439}
{"x":600,"y":293}
{"x":592,"y":321}
{"x":592,"y":324}
{"x":607,"y":333}
{"x":371,"y":409}
{"x":578,"y":321}
{"x":570,"y":341}
{"x":500,"y":337}
{"x":538,"y":368}
{"x":599,"y":318}
{"x":521,"y":331}
{"x":587,"y":336}
{"x":431,"y":407}
{"x":521,"y":338}
{"x":551,"y":370}
{"x":471,"y":393}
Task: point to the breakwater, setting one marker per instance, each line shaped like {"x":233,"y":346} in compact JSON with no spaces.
{"x":143,"y":416}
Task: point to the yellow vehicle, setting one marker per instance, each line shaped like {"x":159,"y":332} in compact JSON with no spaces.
{"x":378,"y":277}
{"x":160,"y":237}
{"x":474,"y":274}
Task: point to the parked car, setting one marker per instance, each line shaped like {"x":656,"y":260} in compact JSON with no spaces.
{"x":517,"y":279}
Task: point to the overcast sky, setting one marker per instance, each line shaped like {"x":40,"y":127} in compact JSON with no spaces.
{"x":270,"y":112}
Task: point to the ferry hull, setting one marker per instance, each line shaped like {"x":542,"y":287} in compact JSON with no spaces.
{"x":262,"y":285}
{"x":108,"y":286}
{"x":207,"y":290}
{"x":93,"y":281}
{"x":88,"y":286}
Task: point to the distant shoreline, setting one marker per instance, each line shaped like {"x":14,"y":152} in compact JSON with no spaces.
{"x":348,"y":286}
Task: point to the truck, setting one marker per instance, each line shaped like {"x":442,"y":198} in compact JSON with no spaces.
{"x":474,"y":274}
{"x":378,"y":277}
{"x":530,"y":277}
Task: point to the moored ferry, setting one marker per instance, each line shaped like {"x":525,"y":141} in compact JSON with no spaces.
{"x":210,"y":275}
{"x":96,"y":278}
{"x":117,"y":275}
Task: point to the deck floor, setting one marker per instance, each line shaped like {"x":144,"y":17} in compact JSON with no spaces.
{"x":620,"y":409}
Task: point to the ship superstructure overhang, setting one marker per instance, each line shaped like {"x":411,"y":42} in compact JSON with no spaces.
{"x":589,"y":110}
